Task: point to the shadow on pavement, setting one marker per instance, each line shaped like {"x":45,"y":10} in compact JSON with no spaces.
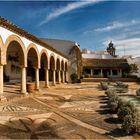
{"x":26,"y":129}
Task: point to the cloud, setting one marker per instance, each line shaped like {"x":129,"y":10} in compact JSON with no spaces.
{"x":63,"y":10}
{"x":126,"y":46}
{"x":117,"y":25}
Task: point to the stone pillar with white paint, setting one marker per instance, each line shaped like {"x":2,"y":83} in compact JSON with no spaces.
{"x":66,"y":76}
{"x":120,"y":72}
{"x":46,"y":78}
{"x":37,"y":78}
{"x":23,"y":80}
{"x":54,"y":78}
{"x":59,"y":76}
{"x":111,"y":74}
{"x":63,"y":76}
{"x":101,"y":72}
{"x":91,"y":72}
{"x":2,"y":98}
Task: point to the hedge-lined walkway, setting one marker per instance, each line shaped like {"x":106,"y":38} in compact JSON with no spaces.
{"x":72,"y":111}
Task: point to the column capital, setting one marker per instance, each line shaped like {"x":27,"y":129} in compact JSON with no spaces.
{"x":22,"y":66}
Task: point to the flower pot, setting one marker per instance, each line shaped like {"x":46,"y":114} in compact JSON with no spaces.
{"x":30,"y":87}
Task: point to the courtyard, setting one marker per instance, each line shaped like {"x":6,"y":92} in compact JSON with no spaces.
{"x":65,"y":111}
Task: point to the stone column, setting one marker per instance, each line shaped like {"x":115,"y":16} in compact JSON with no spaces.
{"x":1,"y":84}
{"x":120,"y":72}
{"x":46,"y":78}
{"x":101,"y":73}
{"x":59,"y":77}
{"x":63,"y":76}
{"x":23,"y":80}
{"x":37,"y":78}
{"x":54,"y":78}
{"x":111,"y":73}
{"x":66,"y":73}
{"x":91,"y":72}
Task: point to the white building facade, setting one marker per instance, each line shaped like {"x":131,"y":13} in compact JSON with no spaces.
{"x":22,"y":55}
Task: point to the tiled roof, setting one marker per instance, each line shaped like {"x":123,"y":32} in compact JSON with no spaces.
{"x":105,"y":63}
{"x":14,"y":28}
{"x":63,"y":46}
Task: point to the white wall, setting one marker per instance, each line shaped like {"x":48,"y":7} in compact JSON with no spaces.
{"x":4,"y":33}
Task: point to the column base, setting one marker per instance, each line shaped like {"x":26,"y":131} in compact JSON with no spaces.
{"x":47,"y":86}
{"x":24,"y":93}
{"x":37,"y":89}
{"x":53,"y":84}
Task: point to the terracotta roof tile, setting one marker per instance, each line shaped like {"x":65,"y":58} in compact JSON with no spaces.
{"x":105,"y":63}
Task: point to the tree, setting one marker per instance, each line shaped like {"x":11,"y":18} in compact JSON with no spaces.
{"x":133,"y":68}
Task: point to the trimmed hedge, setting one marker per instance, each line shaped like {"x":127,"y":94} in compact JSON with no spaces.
{"x":112,"y":99}
{"x":104,"y":85}
{"x":74,"y":78}
{"x":138,"y":92}
{"x":121,"y":85}
{"x":126,"y":111}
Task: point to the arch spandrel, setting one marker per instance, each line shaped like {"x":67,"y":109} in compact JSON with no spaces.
{"x":52,"y":58}
{"x":33,"y":46}
{"x":10,"y":39}
{"x":47,"y":58}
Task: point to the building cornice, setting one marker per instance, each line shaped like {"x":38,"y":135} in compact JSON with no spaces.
{"x":14,"y":28}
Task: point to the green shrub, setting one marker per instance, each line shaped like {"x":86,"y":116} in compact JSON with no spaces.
{"x":138,"y":123}
{"x":74,"y":78}
{"x":128,"y":115}
{"x":121,"y":85}
{"x":79,"y":81}
{"x":82,"y":76}
{"x":104,"y":85}
{"x":138,"y":92}
{"x":121,"y":90}
{"x":125,"y":108}
{"x":113,"y":103}
{"x":110,"y":91}
{"x":121,"y":102}
{"x":123,"y":111}
{"x":112,"y":99}
{"x":129,"y":124}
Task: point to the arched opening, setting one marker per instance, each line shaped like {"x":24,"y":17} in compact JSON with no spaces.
{"x":15,"y":60}
{"x":57,"y":69}
{"x":52,"y":68}
{"x":43,"y":67}
{"x":32,"y":64}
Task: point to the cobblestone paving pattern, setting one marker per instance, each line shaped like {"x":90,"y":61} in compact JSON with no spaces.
{"x":63,"y":112}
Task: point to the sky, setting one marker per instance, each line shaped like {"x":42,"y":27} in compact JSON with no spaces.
{"x":90,"y":23}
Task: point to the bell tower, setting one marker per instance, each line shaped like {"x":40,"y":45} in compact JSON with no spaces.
{"x":111,"y":49}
